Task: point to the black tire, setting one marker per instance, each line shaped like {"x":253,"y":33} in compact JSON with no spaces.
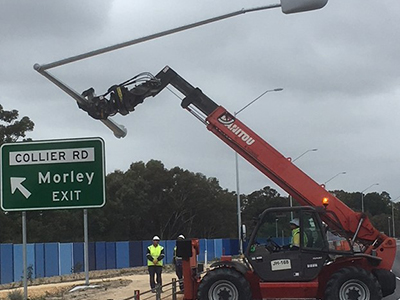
{"x":353,"y":284}
{"x":224,"y":284}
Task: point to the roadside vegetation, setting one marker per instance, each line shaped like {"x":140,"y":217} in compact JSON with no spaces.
{"x":149,"y":198}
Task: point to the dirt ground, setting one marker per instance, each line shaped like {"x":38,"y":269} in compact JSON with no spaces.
{"x":107,"y":285}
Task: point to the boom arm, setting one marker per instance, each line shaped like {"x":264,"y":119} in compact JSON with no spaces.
{"x":248,"y":144}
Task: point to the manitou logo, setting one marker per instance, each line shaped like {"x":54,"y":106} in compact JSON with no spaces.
{"x":228,"y":121}
{"x":240,"y":133}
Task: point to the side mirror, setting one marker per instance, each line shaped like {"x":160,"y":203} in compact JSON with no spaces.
{"x":295,"y":6}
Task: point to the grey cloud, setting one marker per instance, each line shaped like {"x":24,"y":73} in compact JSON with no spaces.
{"x":25,"y":19}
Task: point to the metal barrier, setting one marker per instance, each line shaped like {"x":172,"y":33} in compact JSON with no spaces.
{"x":166,"y":291}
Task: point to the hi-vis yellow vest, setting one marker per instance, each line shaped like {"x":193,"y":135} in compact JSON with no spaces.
{"x":155,"y":252}
{"x":295,"y":241}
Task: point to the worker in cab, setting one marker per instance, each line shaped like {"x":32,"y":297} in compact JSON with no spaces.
{"x":178,"y":264}
{"x":155,"y":255}
{"x":295,"y":240}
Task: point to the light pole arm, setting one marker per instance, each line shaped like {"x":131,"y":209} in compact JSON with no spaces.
{"x":370,"y":187}
{"x":304,"y":153}
{"x":250,"y":103}
{"x":340,"y":173}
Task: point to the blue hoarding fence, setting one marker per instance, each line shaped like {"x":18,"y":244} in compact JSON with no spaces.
{"x":54,"y":259}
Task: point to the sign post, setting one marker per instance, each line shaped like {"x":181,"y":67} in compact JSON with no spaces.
{"x":57,"y":174}
{"x":86,"y":245}
{"x":24,"y":255}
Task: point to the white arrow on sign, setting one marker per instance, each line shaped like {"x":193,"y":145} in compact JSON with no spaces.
{"x":16,"y":183}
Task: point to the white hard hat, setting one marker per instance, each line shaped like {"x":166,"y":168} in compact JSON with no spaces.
{"x":156,"y":238}
{"x":181,"y":236}
{"x":295,"y":222}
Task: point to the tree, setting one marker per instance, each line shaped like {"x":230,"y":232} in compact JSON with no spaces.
{"x":377,"y":206}
{"x":12,"y":129}
{"x":149,"y":199}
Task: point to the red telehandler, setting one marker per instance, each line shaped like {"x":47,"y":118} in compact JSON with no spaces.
{"x":341,"y":255}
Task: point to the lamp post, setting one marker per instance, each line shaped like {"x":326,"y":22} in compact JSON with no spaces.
{"x":276,"y":228}
{"x":340,"y":173}
{"x":389,"y":225}
{"x":304,"y":153}
{"x":239,"y":214}
{"x":362,"y":195}
{"x":394,"y":227}
{"x":290,"y":196}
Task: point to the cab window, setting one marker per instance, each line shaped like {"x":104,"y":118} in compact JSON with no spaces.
{"x":312,"y":232}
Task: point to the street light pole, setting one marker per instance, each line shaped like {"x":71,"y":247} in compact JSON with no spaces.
{"x":290,"y":196}
{"x":276,"y":227}
{"x":340,"y":173}
{"x":394,"y":227}
{"x":362,"y":195}
{"x":239,"y":213}
{"x":239,"y":210}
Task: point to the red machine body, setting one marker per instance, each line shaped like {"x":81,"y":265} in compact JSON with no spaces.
{"x":366,"y":272}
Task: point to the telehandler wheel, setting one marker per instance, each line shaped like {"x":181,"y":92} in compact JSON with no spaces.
{"x":353,"y":284}
{"x":224,"y":284}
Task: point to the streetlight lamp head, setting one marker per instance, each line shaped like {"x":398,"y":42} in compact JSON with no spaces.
{"x":278,"y":89}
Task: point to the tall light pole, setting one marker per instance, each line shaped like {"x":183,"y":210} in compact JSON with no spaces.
{"x":290,"y":196}
{"x":394,"y":227}
{"x":340,"y":173}
{"x":362,"y":195}
{"x":239,"y":213}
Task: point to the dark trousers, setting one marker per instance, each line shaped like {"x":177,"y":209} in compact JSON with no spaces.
{"x":155,"y":271}
{"x":179,"y":273}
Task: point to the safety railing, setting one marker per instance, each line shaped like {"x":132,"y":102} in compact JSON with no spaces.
{"x":164,"y":292}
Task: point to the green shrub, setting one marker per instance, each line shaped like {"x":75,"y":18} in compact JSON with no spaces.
{"x":15,"y":295}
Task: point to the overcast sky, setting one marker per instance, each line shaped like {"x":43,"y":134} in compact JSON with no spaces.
{"x":339,"y":67}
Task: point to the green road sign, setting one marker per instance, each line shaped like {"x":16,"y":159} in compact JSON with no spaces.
{"x":57,"y":174}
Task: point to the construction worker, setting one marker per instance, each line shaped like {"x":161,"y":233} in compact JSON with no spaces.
{"x":178,"y":264}
{"x":155,"y":256}
{"x":295,"y":240}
